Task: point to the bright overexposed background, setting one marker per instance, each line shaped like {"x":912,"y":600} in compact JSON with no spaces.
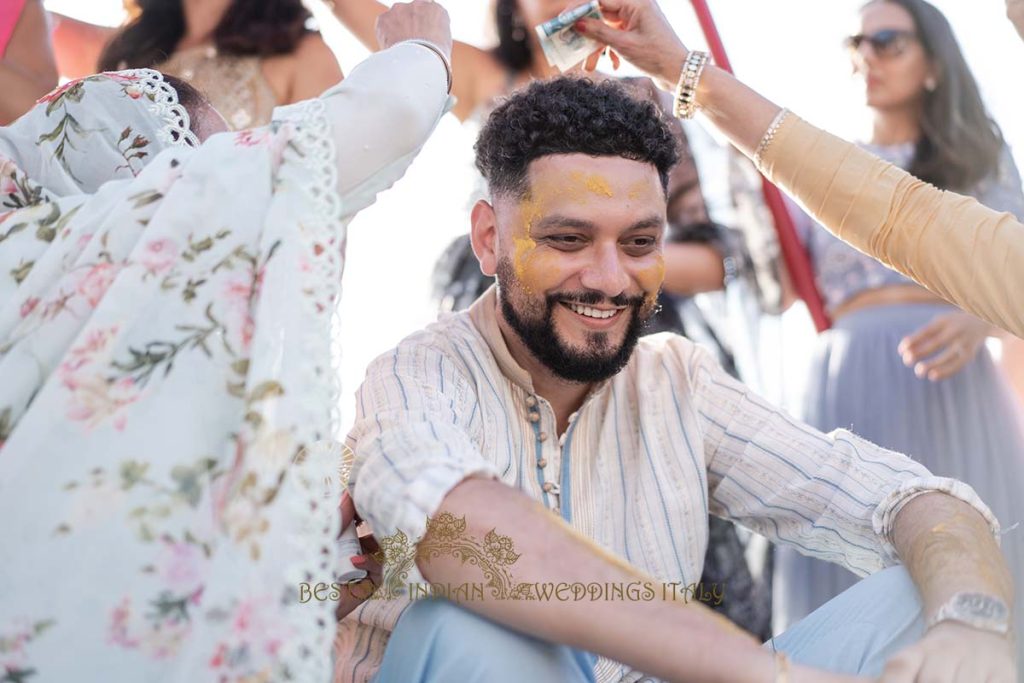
{"x":788,"y":49}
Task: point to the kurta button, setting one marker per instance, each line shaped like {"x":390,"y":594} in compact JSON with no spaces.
{"x":531,"y":401}
{"x":534,"y":417}
{"x":543,"y":436}
{"x":548,"y":486}
{"x":542,"y":463}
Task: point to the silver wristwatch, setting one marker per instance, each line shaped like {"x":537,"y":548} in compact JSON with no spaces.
{"x":979,"y":610}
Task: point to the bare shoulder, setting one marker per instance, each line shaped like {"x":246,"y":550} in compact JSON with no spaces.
{"x":479,"y":78}
{"x":312,"y":68}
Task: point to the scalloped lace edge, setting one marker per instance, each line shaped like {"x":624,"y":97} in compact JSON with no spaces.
{"x":316,"y":523}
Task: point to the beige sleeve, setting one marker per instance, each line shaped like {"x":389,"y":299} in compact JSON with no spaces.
{"x":960,"y":249}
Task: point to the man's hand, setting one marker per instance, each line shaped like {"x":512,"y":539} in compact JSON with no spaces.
{"x":637,"y":30}
{"x":419,"y":19}
{"x":1015,"y":13}
{"x":944,"y":346}
{"x":954,"y":653}
{"x":355,"y":594}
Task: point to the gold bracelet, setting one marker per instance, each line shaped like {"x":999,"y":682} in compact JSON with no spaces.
{"x":769,"y":136}
{"x":781,"y":667}
{"x":686,"y":91}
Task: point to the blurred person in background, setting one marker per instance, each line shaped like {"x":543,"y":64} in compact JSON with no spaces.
{"x":27,"y":70}
{"x":246,"y":56}
{"x":900,"y":366}
{"x":697,"y":250}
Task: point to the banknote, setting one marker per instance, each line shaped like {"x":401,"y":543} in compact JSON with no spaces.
{"x":563,"y":46}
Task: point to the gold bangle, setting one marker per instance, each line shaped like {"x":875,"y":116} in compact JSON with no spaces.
{"x":685,"y":105}
{"x":440,"y":54}
{"x":781,"y":667}
{"x":767,"y":139}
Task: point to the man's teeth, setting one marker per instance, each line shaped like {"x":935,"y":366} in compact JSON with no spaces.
{"x":591,"y":312}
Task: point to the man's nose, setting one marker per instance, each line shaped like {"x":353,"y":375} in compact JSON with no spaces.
{"x":606,"y":273}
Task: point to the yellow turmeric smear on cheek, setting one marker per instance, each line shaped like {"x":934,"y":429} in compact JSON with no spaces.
{"x":650,"y":280}
{"x":523,"y":243}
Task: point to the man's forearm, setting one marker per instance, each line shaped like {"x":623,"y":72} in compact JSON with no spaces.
{"x":667,"y":639}
{"x":948,"y":547}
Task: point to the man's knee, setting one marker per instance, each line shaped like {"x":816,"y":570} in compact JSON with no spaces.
{"x":452,"y":643}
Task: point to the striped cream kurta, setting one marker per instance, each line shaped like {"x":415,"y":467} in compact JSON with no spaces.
{"x":647,"y":456}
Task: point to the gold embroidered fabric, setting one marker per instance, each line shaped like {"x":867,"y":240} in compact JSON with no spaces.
{"x":235,"y":85}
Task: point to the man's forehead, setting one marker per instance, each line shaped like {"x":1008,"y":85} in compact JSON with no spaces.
{"x":581,"y":178}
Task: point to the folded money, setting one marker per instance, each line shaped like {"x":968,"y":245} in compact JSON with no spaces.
{"x":564,"y":47}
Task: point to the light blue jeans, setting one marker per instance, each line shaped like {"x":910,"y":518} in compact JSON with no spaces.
{"x":436,"y":641}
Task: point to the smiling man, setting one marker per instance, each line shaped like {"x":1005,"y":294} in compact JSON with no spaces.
{"x":538,"y":415}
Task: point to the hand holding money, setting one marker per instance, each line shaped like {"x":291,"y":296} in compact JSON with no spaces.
{"x":637,"y":30}
{"x":563,"y":46}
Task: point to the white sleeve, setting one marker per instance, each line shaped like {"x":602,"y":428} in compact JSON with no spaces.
{"x":381,"y":115}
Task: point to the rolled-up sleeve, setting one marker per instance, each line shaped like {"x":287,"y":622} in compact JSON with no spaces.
{"x":832,"y":496}
{"x":412,"y":440}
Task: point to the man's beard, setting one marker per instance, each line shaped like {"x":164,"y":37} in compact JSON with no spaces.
{"x":597,"y":361}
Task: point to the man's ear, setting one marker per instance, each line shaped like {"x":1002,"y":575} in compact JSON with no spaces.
{"x":484,"y":237}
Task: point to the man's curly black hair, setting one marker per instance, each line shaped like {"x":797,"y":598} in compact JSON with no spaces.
{"x":570,"y":115}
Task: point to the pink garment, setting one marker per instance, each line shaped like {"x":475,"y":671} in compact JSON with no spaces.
{"x":10,"y":11}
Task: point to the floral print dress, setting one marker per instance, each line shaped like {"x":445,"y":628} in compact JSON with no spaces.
{"x":167,"y":312}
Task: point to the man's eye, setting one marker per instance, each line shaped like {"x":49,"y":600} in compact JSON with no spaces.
{"x":566,"y":240}
{"x":642,"y":242}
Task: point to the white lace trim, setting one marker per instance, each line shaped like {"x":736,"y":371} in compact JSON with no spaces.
{"x":315,"y":518}
{"x":177,"y":128}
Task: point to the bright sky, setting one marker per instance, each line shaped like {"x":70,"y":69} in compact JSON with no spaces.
{"x":788,"y":49}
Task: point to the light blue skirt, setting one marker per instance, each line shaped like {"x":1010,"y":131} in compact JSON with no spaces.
{"x":967,"y":427}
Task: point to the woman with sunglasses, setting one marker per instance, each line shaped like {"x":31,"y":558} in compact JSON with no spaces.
{"x":901,"y":366}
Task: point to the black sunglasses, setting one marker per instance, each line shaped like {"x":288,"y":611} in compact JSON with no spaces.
{"x":889,"y":42}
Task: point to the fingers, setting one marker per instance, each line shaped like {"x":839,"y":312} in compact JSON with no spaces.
{"x":369,"y":564}
{"x":926,"y":341}
{"x":600,"y":31}
{"x":368,"y":543}
{"x":616,"y":60}
{"x":591,"y":62}
{"x":348,"y":510}
{"x":946,"y":364}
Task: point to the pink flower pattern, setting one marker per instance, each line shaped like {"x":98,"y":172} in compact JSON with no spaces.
{"x":159,"y":256}
{"x":96,"y":281}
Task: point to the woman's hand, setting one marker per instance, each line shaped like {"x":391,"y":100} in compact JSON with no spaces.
{"x":949,"y":342}
{"x":637,"y":30}
{"x":354,"y":594}
{"x":419,"y":19}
